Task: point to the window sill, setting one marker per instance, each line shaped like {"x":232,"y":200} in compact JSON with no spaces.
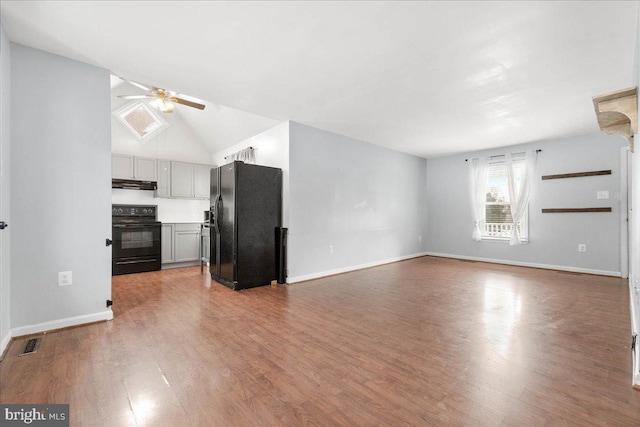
{"x":502,"y":240}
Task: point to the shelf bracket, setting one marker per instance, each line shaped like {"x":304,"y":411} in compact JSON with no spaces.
{"x":617,"y":113}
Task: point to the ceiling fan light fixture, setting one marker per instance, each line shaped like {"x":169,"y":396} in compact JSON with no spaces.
{"x":162,"y":105}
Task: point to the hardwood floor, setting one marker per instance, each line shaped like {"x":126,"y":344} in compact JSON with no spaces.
{"x":428,"y":341}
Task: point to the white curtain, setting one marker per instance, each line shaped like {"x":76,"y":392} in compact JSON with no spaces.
{"x":519,"y":195}
{"x":478,"y":190}
{"x":246,"y":155}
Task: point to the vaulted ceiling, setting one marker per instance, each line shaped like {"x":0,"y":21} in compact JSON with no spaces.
{"x":426,"y":78}
{"x":214,"y":128}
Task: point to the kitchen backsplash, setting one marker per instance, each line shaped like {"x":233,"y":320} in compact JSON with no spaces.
{"x":169,"y":210}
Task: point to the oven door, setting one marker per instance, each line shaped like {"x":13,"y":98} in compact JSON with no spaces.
{"x":135,"y":240}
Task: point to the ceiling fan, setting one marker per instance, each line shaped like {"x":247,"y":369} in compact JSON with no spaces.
{"x":161,"y":99}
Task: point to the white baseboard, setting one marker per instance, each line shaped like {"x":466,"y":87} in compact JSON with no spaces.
{"x":318,"y":275}
{"x":62,"y":323}
{"x":5,"y":342}
{"x":529,"y":264}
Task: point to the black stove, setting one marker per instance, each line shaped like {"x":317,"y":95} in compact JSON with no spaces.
{"x":136,"y":239}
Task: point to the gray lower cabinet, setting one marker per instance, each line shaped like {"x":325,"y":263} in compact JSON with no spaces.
{"x":167,"y":243}
{"x":206,"y":242}
{"x":187,"y":242}
{"x":180,"y":244}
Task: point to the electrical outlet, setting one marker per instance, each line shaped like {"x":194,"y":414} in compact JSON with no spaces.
{"x":330,"y":249}
{"x":419,"y":238}
{"x":582,"y":247}
{"x":603,"y":194}
{"x":65,"y":278}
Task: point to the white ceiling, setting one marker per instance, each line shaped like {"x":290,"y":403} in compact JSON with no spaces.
{"x":427,"y":78}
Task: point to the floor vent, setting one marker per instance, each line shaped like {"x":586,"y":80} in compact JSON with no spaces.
{"x":30,"y":346}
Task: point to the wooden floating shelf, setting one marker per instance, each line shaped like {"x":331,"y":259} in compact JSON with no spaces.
{"x":575,"y":210}
{"x":577,"y":174}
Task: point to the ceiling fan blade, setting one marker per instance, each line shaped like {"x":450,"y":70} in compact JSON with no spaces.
{"x":136,"y":84}
{"x":187,"y":103}
{"x":136,"y":96}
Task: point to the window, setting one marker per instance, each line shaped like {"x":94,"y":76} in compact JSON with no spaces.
{"x":496,"y":184}
{"x":498,"y":222}
{"x":141,"y":120}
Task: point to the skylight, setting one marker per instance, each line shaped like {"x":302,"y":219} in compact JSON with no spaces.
{"x":141,"y":120}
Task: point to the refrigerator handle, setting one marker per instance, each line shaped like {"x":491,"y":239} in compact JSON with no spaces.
{"x":218,"y":214}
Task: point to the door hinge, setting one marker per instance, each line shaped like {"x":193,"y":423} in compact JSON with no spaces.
{"x":109,"y":303}
{"x":108,"y":242}
{"x":633,"y":342}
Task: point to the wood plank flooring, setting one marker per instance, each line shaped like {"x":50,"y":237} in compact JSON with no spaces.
{"x":428,"y":341}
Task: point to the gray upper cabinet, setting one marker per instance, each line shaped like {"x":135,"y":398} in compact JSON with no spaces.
{"x":145,"y":169}
{"x":182,"y":179}
{"x":175,"y":179}
{"x":202,"y":178}
{"x":164,"y":178}
{"x":121,"y":166}
{"x":131,"y":167}
{"x":189,"y":180}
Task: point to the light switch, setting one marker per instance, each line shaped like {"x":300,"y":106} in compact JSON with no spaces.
{"x":604,"y":194}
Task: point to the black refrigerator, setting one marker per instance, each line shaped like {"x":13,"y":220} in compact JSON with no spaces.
{"x":245,"y":225}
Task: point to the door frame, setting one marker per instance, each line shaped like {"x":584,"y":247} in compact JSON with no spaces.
{"x":625,"y":209}
{"x":633,"y":245}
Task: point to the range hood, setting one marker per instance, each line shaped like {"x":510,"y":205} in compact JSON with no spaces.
{"x":132,"y":184}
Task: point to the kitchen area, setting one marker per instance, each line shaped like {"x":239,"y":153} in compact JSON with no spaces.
{"x":164,"y":147}
{"x":159,"y":213}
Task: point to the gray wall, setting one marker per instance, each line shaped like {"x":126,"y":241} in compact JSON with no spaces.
{"x":553,"y":238}
{"x":634,"y":226}
{"x":364,"y":200}
{"x":271,"y":148}
{"x":60,"y":165}
{"x":5,"y":253}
